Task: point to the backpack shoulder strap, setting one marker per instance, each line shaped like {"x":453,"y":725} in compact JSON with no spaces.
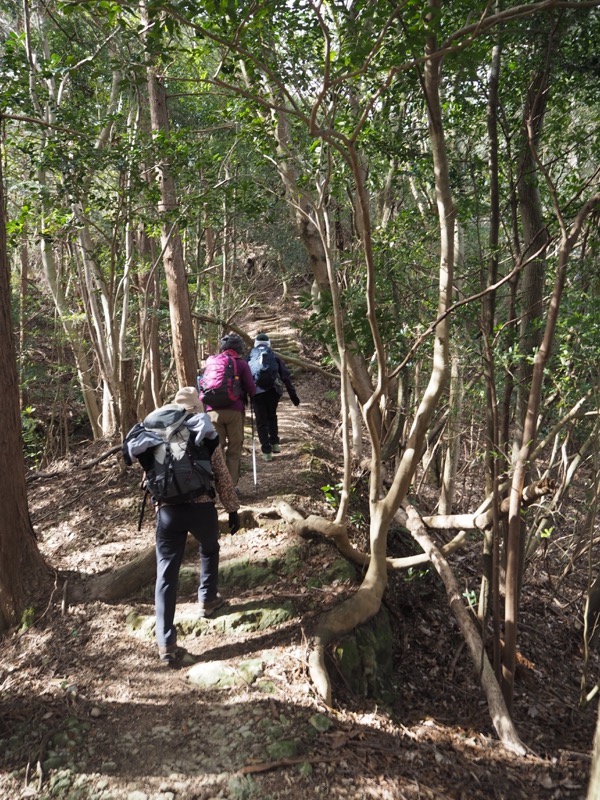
{"x":138,"y":441}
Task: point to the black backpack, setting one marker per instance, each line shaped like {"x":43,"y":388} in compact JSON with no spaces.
{"x":177,"y":468}
{"x":263,"y":366}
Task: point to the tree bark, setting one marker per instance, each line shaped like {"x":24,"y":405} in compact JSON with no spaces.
{"x":23,"y":572}
{"x":498,"y":710}
{"x":594,"y":786}
{"x":535,"y":238}
{"x":182,"y":329}
{"x":23,"y":295}
{"x":118,"y":583}
{"x":149,"y":381}
{"x":454,"y":430}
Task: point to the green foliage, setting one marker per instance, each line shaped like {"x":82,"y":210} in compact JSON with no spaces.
{"x":471,"y":597}
{"x":27,"y":619}
{"x":222,"y":149}
{"x":413,"y":574}
{"x":332,"y":494}
{"x":33,"y":440}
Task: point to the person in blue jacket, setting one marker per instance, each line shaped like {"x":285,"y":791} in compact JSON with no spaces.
{"x":267,"y":396}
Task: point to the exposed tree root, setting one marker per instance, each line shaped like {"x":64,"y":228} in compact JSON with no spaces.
{"x":339,"y":534}
{"x":342,"y":619}
{"x":366,"y":602}
{"x":38,"y":476}
{"x":140,"y":571}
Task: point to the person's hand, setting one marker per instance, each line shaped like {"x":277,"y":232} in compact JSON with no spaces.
{"x":234,"y":522}
{"x":294,"y":398}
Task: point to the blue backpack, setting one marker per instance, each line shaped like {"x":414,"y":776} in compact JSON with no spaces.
{"x":264,"y":367}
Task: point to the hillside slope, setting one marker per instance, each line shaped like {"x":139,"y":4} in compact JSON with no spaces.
{"x":89,"y":712}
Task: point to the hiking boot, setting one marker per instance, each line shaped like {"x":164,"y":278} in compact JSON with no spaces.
{"x":206,"y":608}
{"x":275,"y":448}
{"x":167,"y":653}
{"x":267,"y":456}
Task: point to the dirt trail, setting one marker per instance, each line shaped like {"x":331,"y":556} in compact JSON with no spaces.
{"x":89,"y":713}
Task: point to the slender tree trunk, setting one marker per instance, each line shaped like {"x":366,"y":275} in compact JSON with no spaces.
{"x":101,"y":319}
{"x":346,"y":387}
{"x":446,"y":219}
{"x":182,"y":329}
{"x":454,"y":429}
{"x":489,"y":300}
{"x":514,"y":544}
{"x":47,"y":110}
{"x":149,"y":290}
{"x":534,"y":241}
{"x":489,"y":594}
{"x":593,"y":792}
{"x":498,"y":710}
{"x":311,"y":238}
{"x":75,"y":336}
{"x":23,"y":294}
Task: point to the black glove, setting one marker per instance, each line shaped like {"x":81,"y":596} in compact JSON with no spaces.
{"x":234,"y":522}
{"x":294,"y":398}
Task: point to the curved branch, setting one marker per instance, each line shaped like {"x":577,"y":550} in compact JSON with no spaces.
{"x":498,"y":710}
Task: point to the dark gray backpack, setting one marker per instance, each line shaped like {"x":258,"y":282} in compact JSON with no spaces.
{"x":177,"y":469}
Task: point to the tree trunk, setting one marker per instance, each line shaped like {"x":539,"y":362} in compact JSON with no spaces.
{"x":498,"y":710}
{"x":535,"y":235}
{"x":367,"y":600}
{"x":593,"y":792}
{"x":73,"y":332}
{"x":182,"y":329}
{"x":120,"y":582}
{"x":489,"y":593}
{"x":101,"y":320}
{"x":453,"y":438}
{"x":312,"y":240}
{"x":514,"y":543}
{"x":535,"y":239}
{"x":23,"y":294}
{"x":127,"y":412}
{"x":23,"y":572}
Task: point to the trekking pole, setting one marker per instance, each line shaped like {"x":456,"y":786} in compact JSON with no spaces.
{"x":146,"y":493}
{"x":253,"y":446}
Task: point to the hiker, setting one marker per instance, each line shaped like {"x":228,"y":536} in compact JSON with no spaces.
{"x":270,"y":374}
{"x":227,"y":413}
{"x":193,"y":442}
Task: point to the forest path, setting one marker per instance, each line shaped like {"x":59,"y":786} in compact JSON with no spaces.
{"x":85,"y":696}
{"x":281,"y":328}
{"x":294,"y":468}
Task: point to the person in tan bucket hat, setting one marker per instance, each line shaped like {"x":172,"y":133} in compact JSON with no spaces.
{"x":188,"y":398}
{"x":175,"y":519}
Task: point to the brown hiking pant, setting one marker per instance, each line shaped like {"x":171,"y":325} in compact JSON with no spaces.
{"x":229,"y":424}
